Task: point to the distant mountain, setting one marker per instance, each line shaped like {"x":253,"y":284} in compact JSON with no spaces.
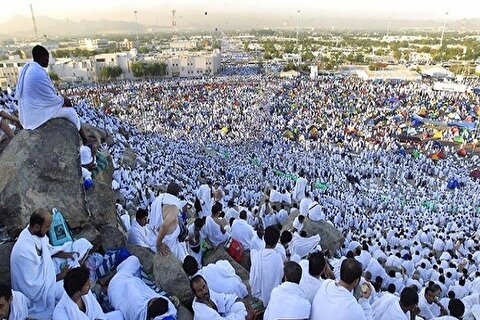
{"x":21,"y":26}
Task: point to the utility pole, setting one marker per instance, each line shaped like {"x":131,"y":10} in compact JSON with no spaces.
{"x":34,"y":23}
{"x":298,"y":48}
{"x":443,"y":30}
{"x":443,"y":33}
{"x":136,"y":22}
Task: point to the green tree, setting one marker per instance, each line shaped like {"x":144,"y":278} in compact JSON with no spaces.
{"x":156,"y":69}
{"x":138,"y":69}
{"x":308,"y":56}
{"x":53,"y":76}
{"x":107,"y":73}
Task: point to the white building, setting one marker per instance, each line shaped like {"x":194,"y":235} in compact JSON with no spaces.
{"x":194,"y":64}
{"x":122,"y":59}
{"x":74,"y":70}
{"x":179,"y":46}
{"x":93,"y":44}
{"x":10,"y":69}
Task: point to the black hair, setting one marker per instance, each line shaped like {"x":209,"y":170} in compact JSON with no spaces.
{"x":5,"y":291}
{"x":199,"y":223}
{"x":293,"y":272}
{"x":350,"y":270}
{"x":39,"y":52}
{"x":216,"y":208}
{"x":271,"y":236}
{"x":173,"y":188}
{"x":190,"y":265}
{"x":158,"y":307}
{"x":286,"y":237}
{"x":37,"y":217}
{"x":456,"y":308}
{"x":141,"y":213}
{"x":409,"y":297}
{"x":316,"y":263}
{"x":243,"y":215}
{"x":75,"y":279}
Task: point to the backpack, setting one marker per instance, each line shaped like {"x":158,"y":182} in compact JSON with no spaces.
{"x":59,"y":232}
{"x":234,"y":249}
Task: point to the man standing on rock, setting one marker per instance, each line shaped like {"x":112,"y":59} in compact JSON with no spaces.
{"x":167,"y":239}
{"x":32,"y":265}
{"x":38,"y":101}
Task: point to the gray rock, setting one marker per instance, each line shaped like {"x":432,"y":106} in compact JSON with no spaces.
{"x":112,"y":237}
{"x":183,"y":313}
{"x":331,"y":238}
{"x":101,"y":204}
{"x":169,"y":276}
{"x":145,"y":255}
{"x":129,"y":158}
{"x":5,"y":252}
{"x":41,"y":169}
{"x":100,"y":134}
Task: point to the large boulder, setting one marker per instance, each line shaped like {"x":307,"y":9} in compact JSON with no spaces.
{"x":331,"y":238}
{"x":41,"y":169}
{"x":101,"y":204}
{"x":169,"y":276}
{"x":112,"y":237}
{"x":5,"y":252}
{"x":183,"y":313}
{"x":100,"y":134}
{"x":145,"y":255}
{"x":129,"y":158}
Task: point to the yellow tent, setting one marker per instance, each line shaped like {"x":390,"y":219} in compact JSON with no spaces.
{"x":438,"y":134}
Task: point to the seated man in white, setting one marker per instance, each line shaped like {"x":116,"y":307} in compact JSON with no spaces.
{"x":35,"y":264}
{"x":242,"y":231}
{"x":302,"y":246}
{"x":38,"y":101}
{"x":78,"y":302}
{"x":220,"y":276}
{"x":129,"y":294}
{"x":215,"y":227}
{"x":456,"y":309}
{"x":312,"y":270}
{"x":139,"y":234}
{"x":211,"y":305}
{"x":266,"y":271}
{"x":13,"y":304}
{"x":288,"y":300}
{"x":390,"y":306}
{"x":335,"y":300}
{"x":315,"y":211}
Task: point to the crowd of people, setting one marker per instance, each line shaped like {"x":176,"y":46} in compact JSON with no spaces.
{"x":245,"y":153}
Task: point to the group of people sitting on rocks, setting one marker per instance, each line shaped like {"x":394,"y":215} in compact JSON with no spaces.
{"x":411,"y":244}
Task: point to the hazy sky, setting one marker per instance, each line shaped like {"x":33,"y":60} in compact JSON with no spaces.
{"x":154,"y":12}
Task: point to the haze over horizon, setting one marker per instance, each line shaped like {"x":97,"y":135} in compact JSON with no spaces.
{"x":212,"y":14}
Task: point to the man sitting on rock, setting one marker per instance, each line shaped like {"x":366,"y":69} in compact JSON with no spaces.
{"x":129,"y":294}
{"x":139,"y":234}
{"x":78,"y":302}
{"x":208,"y":304}
{"x":38,"y":101}
{"x":167,"y":240}
{"x":13,"y":304}
{"x":220,"y":276}
{"x":36,"y":265}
